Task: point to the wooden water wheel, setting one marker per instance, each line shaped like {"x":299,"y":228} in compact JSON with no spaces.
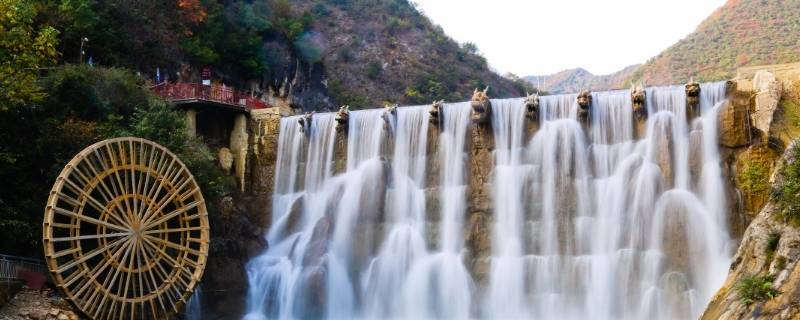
{"x":126,"y":231}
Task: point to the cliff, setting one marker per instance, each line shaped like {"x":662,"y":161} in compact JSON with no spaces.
{"x":764,"y":277}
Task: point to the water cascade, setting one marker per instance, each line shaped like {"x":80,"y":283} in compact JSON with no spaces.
{"x":588,"y":219}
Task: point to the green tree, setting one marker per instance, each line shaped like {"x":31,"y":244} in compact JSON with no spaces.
{"x":23,"y":51}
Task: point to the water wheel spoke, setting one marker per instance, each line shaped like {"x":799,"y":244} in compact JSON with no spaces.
{"x":146,"y":187}
{"x":88,"y":256}
{"x":91,"y":236}
{"x":162,"y":204}
{"x":95,"y":271}
{"x":173,"y":245}
{"x":153,"y":282}
{"x":123,"y":187}
{"x":173,"y":230}
{"x":93,"y":202}
{"x":159,"y":184}
{"x":173,"y":214}
{"x":79,"y":216}
{"x":156,"y":186}
{"x":110,"y":286}
{"x":104,"y":191}
{"x":175,"y":264}
{"x":164,"y":275}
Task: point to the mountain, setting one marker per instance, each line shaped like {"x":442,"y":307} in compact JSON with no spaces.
{"x":386,"y":51}
{"x":740,"y":33}
{"x":574,"y":80}
{"x":316,"y":54}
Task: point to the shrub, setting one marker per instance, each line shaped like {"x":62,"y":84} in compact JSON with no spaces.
{"x":755,"y":288}
{"x":754,"y":177}
{"x":772,"y":244}
{"x":788,"y":193}
{"x":374,"y":69}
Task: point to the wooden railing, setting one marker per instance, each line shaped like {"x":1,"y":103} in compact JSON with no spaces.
{"x":175,"y":92}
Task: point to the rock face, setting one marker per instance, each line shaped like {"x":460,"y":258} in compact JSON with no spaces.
{"x":769,"y":247}
{"x":753,"y":168}
{"x":767,"y":96}
{"x":734,"y":121}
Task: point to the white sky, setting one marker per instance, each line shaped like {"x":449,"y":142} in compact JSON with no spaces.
{"x":538,"y":37}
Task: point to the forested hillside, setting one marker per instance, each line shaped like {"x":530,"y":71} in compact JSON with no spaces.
{"x":318,"y":53}
{"x":740,"y":33}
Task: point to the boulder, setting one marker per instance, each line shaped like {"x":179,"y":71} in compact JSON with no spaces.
{"x":768,"y":94}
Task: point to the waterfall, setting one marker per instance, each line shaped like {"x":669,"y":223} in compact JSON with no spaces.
{"x":597,"y":220}
{"x":194,"y":307}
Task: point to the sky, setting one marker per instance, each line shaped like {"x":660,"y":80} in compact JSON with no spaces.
{"x":539,"y":37}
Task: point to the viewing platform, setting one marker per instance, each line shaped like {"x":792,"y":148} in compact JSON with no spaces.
{"x":215,"y":95}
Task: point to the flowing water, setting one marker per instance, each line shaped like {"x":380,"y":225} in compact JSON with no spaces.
{"x":587,"y":221}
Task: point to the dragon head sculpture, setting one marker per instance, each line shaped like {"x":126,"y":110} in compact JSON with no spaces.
{"x":481,"y":106}
{"x":342,"y":117}
{"x":435,"y":110}
{"x":532,"y":106}
{"x":638,"y":99}
{"x":584,"y":105}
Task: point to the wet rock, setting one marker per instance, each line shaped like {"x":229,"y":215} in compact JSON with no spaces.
{"x":665,"y":158}
{"x":318,"y":245}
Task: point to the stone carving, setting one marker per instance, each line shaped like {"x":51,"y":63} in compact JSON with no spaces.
{"x":532,"y":106}
{"x":481,"y":106}
{"x":342,"y":117}
{"x":730,"y":87}
{"x":305,"y":121}
{"x":692,"y":99}
{"x":225,"y":159}
{"x":584,"y":105}
{"x":390,"y":110}
{"x":638,"y":99}
{"x":434,"y":111}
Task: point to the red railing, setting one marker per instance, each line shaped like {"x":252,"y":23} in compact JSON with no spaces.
{"x":215,"y":93}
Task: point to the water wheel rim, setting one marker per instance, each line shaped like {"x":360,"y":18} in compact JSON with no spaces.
{"x":126,"y":230}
